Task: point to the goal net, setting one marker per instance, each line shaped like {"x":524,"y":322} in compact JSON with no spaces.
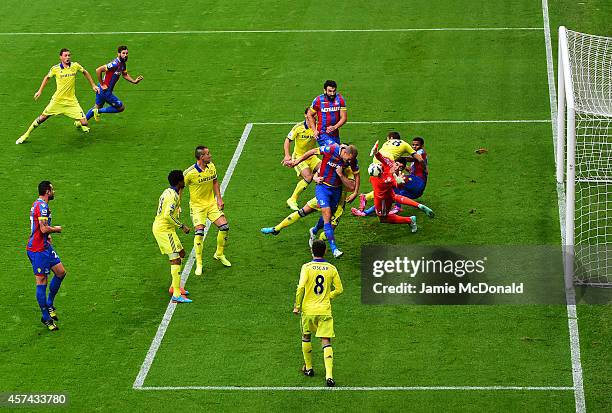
{"x":584,"y":127}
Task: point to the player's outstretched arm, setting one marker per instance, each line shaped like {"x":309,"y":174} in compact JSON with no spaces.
{"x":41,"y":88}
{"x":302,"y":158}
{"x":129,"y":78}
{"x":91,"y":82}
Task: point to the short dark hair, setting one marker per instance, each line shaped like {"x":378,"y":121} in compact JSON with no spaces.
{"x":419,"y":139}
{"x":175,"y":177}
{"x":43,"y":187}
{"x":318,"y":248}
{"x":199,"y":151}
{"x":63,"y":50}
{"x":331,"y":83}
{"x":121,"y":48}
{"x":306,"y":111}
{"x":394,"y":135}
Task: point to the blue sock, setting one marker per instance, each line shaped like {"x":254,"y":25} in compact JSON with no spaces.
{"x":319,"y":226}
{"x":41,"y":297}
{"x":329,"y":233}
{"x":108,"y":109}
{"x":53,"y":289}
{"x":89,"y":114}
{"x":369,"y":211}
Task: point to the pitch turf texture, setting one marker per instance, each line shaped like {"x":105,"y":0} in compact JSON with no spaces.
{"x":203,"y":89}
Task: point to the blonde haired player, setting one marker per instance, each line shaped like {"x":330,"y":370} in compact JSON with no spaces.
{"x":205,"y":202}
{"x":313,"y":299}
{"x":303,"y":138}
{"x":166,"y":221}
{"x":63,"y":101}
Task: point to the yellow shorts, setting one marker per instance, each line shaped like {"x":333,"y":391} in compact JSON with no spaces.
{"x":310,"y":163}
{"x":71,"y":109}
{"x":200,"y":214}
{"x":321,"y":325}
{"x":169,"y":243}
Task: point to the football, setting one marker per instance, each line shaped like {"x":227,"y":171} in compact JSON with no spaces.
{"x":374,"y":169}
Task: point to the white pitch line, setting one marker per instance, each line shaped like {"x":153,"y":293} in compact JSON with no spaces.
{"x":570,"y":296}
{"x":410,"y":29}
{"x":163,"y":325}
{"x":380,"y":388}
{"x":422,"y":122}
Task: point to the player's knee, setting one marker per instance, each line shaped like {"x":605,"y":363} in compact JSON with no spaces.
{"x":306,"y":338}
{"x":176,"y":261}
{"x":224,"y":227}
{"x":181,"y":254}
{"x":121,"y":107}
{"x":199,"y":232}
{"x":302,"y":213}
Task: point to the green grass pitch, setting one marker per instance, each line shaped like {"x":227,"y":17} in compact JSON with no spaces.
{"x":203,"y":89}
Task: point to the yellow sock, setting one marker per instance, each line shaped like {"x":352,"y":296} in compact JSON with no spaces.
{"x":198,"y":244}
{"x":336,"y":217}
{"x":370,"y":196}
{"x":328,"y":354}
{"x":291,"y":219}
{"x":299,"y":188}
{"x":221,"y":241}
{"x":175,"y":270}
{"x":32,"y":127}
{"x":307,"y":352}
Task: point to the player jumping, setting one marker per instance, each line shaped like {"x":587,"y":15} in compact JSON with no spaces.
{"x":42,"y":255}
{"x":329,"y":185}
{"x":313,"y":299}
{"x":205,"y":202}
{"x":164,"y":230}
{"x":63,"y":101}
{"x":108,"y":75}
{"x":304,"y":140}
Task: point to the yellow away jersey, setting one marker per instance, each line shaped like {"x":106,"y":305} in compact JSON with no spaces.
{"x":314,"y":291}
{"x":168,"y":211}
{"x":302,"y":138}
{"x":65,"y":78}
{"x":395,"y":149}
{"x":200,"y":184}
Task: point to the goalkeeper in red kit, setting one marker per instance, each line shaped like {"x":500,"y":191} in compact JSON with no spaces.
{"x":384,"y":196}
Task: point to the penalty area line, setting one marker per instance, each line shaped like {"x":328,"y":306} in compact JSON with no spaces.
{"x":376,"y":388}
{"x":163,"y":325}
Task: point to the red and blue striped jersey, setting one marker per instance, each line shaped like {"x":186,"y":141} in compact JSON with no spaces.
{"x":420,"y":169}
{"x":40,"y":212}
{"x":114,"y":69}
{"x":328,"y":111}
{"x":331,"y":160}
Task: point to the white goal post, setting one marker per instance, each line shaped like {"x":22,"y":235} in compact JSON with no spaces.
{"x":584,"y":139}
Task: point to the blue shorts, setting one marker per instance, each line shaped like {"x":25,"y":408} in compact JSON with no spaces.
{"x":106,"y":96}
{"x":325,"y":139}
{"x":328,"y":196}
{"x":412,"y":189}
{"x":43,"y":261}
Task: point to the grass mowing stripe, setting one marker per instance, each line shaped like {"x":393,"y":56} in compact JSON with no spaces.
{"x":181,"y":32}
{"x":163,"y":325}
{"x":570,"y":297}
{"x":385,"y":122}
